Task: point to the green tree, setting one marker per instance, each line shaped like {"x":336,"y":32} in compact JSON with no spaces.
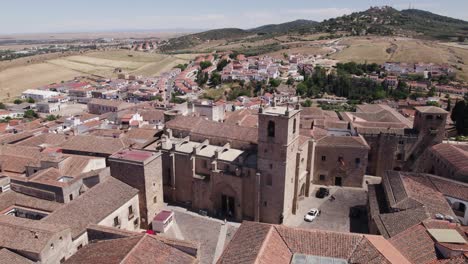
{"x":52,"y":117}
{"x":431,"y":92}
{"x":182,"y":66}
{"x":215,"y":79}
{"x":30,"y":114}
{"x":18,"y":101}
{"x":307,"y":103}
{"x":274,"y":83}
{"x":205,"y":64}
{"x":2,"y":106}
{"x":221,"y":65}
{"x":290,"y":81}
{"x":31,"y":100}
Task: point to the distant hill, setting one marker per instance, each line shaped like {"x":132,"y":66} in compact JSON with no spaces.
{"x":389,"y":21}
{"x":303,"y":26}
{"x":385,"y":21}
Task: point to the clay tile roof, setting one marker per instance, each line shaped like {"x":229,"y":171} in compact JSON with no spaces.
{"x":9,"y":257}
{"x":94,"y":144}
{"x":48,"y":139}
{"x":9,"y":199}
{"x":137,"y":249}
{"x":456,"y":155}
{"x":264,"y":243}
{"x":451,"y":188}
{"x":93,"y":206}
{"x":431,"y":110}
{"x":338,"y":141}
{"x":415,"y":244}
{"x":21,"y":234}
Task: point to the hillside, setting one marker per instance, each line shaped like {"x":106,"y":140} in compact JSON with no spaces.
{"x":304,"y":26}
{"x":389,"y":21}
{"x":301,"y":25}
{"x":383,"y":21}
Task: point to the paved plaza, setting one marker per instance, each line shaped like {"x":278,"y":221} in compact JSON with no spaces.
{"x":335,"y":215}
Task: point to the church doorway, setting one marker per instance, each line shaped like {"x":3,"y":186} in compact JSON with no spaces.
{"x":228,"y":206}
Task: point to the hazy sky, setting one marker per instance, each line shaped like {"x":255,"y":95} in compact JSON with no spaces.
{"x":33,"y":16}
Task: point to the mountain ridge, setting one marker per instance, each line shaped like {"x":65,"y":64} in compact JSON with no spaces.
{"x":384,"y":21}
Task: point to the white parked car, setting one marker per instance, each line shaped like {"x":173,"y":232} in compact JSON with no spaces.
{"x":311,"y":215}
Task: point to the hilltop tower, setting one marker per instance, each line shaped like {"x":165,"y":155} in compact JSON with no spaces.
{"x":278,"y":134}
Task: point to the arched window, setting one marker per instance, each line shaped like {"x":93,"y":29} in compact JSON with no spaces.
{"x":271,"y":129}
{"x":294,"y":126}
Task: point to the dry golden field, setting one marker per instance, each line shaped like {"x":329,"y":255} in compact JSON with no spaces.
{"x":13,"y":81}
{"x":19,"y":77}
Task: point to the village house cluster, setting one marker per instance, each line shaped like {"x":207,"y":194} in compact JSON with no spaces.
{"x":93,"y":186}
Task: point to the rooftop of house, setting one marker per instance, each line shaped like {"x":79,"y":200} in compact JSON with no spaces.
{"x":135,"y":249}
{"x":24,"y":235}
{"x":431,"y":110}
{"x":202,"y":127}
{"x":93,"y":206}
{"x":265,"y":243}
{"x":406,"y":199}
{"x":8,"y":256}
{"x":455,"y":155}
{"x":376,"y":119}
{"x":44,"y":140}
{"x":94,"y":144}
{"x":110,"y":103}
{"x":418,"y":243}
{"x":134,"y":155}
{"x":11,"y":199}
{"x":343,"y":141}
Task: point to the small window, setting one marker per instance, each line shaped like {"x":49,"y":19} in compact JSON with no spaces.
{"x":399,"y":156}
{"x":269,"y":180}
{"x":401,"y":142}
{"x":322,"y":177}
{"x":271,"y":166}
{"x":155,"y":199}
{"x":294,"y":126}
{"x":324,"y":158}
{"x":116,"y":221}
{"x":357,"y":161}
{"x":71,"y":196}
{"x":130,"y":210}
{"x":79,"y":247}
{"x":340,"y":159}
{"x":264,"y":204}
{"x":62,"y":260}
{"x":52,"y":246}
{"x":205,"y":164}
{"x":271,"y":129}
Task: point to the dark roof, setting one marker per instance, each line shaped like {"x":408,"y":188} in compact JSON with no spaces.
{"x":93,"y":206}
{"x":136,"y":249}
